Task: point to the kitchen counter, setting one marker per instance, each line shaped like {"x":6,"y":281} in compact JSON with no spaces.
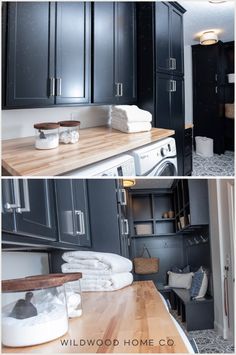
{"x":133,"y":320}
{"x":19,"y":156}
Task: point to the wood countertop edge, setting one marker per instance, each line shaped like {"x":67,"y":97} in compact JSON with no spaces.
{"x":13,"y":163}
{"x":189,"y":125}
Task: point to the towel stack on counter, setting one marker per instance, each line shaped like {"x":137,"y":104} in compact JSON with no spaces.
{"x":100,"y":271}
{"x":130,"y":119}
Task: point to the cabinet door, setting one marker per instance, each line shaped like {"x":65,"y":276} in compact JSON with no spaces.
{"x":8,"y":204}
{"x":72,"y":211}
{"x":177,"y":50}
{"x":162,"y":115}
{"x":126,"y":50}
{"x":177,"y":118}
{"x":36,"y":215}
{"x":104,"y":215}
{"x":198,"y":201}
{"x":162,"y":36}
{"x":73,"y":52}
{"x":104,"y":71}
{"x":30,"y":56}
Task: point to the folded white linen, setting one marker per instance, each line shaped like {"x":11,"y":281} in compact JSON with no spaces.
{"x":136,"y":118}
{"x":133,"y":127}
{"x":98,"y":261}
{"x":111,"y":283}
{"x":130,"y":113}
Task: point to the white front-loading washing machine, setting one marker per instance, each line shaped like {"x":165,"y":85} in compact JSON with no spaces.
{"x":121,"y":165}
{"x":156,"y":159}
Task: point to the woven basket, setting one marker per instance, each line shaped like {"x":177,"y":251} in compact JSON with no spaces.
{"x":229,"y":110}
{"x":145,"y":266}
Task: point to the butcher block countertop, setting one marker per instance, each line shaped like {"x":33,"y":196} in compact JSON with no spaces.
{"x":19,"y":156}
{"x":131,"y":320}
{"x":188,"y":125}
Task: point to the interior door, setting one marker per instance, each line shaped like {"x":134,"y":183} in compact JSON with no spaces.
{"x":30,"y":56}
{"x":126,"y":55}
{"x":73,"y":43}
{"x":36,"y":215}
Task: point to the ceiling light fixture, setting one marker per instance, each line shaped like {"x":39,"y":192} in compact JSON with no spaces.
{"x":208,"y":38}
{"x":129,"y":182}
{"x":216,"y":1}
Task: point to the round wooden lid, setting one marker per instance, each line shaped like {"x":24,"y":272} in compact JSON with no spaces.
{"x":31,"y":283}
{"x":69,"y":123}
{"x":46,"y":125}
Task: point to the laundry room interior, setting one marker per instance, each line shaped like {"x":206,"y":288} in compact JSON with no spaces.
{"x":126,"y":81}
{"x":163,"y":232}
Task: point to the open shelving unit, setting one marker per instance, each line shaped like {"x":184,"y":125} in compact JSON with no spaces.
{"x":147,"y":215}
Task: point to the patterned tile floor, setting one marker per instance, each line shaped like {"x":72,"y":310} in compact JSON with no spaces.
{"x":218,"y":165}
{"x":208,"y":341}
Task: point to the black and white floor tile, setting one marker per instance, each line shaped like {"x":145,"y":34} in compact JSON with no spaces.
{"x":218,"y":165}
{"x":208,"y":341}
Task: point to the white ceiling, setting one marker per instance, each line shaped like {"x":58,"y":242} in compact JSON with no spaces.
{"x":153,"y":183}
{"x":203,"y":15}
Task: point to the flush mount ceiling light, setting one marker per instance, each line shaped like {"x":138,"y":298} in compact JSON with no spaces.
{"x":208,"y":38}
{"x":216,"y":1}
{"x":129,"y":182}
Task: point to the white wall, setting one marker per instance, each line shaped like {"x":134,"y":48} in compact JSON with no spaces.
{"x":188,"y":84}
{"x":21,"y":264}
{"x":221,"y":250}
{"x":19,"y":123}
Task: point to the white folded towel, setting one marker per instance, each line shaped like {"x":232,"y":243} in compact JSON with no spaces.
{"x":133,"y":127}
{"x":109,"y":283}
{"x":92,"y":260}
{"x":130,"y":113}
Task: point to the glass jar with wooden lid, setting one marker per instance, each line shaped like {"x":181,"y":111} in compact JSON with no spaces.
{"x":34,"y":309}
{"x":46,"y":135}
{"x":69,"y":131}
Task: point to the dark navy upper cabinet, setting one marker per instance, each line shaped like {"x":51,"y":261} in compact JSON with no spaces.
{"x":72,"y":52}
{"x":72,"y":212}
{"x":169,"y":37}
{"x":48,"y":54}
{"x":28,"y":208}
{"x":114,"y":49}
{"x":30,"y":55}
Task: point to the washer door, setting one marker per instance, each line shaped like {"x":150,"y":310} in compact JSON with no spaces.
{"x":166,"y":169}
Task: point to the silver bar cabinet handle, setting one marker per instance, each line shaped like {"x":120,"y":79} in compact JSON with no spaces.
{"x":117,"y":89}
{"x":52,"y":87}
{"x":126,"y":226}
{"x":80,"y":214}
{"x":123,"y":200}
{"x":26,"y":207}
{"x":121,"y":89}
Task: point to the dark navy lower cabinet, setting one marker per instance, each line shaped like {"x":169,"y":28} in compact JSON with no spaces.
{"x":28,"y":208}
{"x":72,"y":212}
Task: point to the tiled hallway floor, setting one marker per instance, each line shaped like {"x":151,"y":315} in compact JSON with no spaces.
{"x":208,"y":341}
{"x":218,"y":165}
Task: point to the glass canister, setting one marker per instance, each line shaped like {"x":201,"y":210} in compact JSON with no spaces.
{"x":34,"y":310}
{"x":69,"y":131}
{"x":46,"y":135}
{"x":73,"y":294}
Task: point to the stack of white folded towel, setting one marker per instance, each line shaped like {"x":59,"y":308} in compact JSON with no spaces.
{"x":130,"y":119}
{"x":100,"y":271}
